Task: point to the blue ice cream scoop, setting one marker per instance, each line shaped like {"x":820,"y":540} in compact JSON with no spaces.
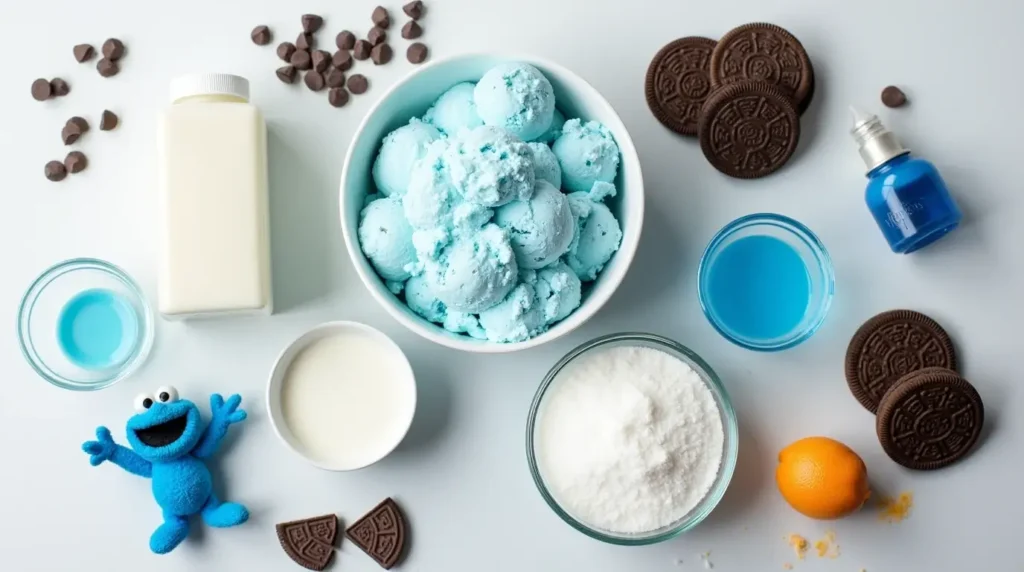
{"x":474,"y":272}
{"x":516,"y":97}
{"x":555,"y":130}
{"x":490,"y":167}
{"x":399,"y":150}
{"x":541,"y":228}
{"x":598,"y":236}
{"x":386,"y":238}
{"x":431,"y":196}
{"x":587,"y":153}
{"x":519,"y":317}
{"x":422,"y":301}
{"x":455,"y":110}
{"x":545,"y":164}
{"x":558,"y":289}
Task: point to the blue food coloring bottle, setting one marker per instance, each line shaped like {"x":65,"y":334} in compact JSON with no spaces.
{"x":906,"y":194}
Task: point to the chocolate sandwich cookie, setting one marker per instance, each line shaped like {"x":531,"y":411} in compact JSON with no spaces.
{"x":381,"y":533}
{"x":888,"y":347}
{"x":749,"y":129}
{"x":678,"y":83}
{"x":930,"y":419}
{"x":766,"y":53}
{"x":309,"y":542}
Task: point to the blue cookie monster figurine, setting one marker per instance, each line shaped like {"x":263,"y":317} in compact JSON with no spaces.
{"x":168,"y":446}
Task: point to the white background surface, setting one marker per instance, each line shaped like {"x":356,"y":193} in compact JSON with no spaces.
{"x":461,"y":475}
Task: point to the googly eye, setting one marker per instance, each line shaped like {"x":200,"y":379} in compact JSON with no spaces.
{"x":143,"y":402}
{"x":167,"y":394}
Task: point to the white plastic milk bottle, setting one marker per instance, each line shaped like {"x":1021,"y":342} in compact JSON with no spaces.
{"x":214,"y":221}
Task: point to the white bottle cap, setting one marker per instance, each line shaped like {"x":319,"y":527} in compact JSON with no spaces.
{"x":209,"y":84}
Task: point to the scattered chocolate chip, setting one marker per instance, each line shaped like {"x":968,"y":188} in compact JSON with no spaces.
{"x":76,"y":162}
{"x":893,"y":96}
{"x":113,"y":49}
{"x":337,"y":97}
{"x":55,"y":171}
{"x":380,"y":17}
{"x":108,"y":120}
{"x":286,"y":74}
{"x":107,"y":68}
{"x":412,"y":30}
{"x":84,"y":52}
{"x":342,"y":60}
{"x":302,"y":60}
{"x":261,"y":35}
{"x":321,"y":60}
{"x":311,"y":23}
{"x":41,"y":90}
{"x":381,"y":54}
{"x":361,"y":51}
{"x":73,"y":129}
{"x":80,"y":123}
{"x":314,"y":80}
{"x":285,"y":51}
{"x":305,"y":41}
{"x":413,"y":9}
{"x":346,"y":40}
{"x":59,"y":87}
{"x":376,"y":36}
{"x":335,"y":78}
{"x":417,"y":53}
{"x":358,"y":84}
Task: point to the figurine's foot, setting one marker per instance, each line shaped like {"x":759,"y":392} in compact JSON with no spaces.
{"x":169,"y":534}
{"x":223,"y":515}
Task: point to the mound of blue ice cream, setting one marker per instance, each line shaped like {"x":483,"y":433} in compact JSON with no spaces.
{"x":491,"y":213}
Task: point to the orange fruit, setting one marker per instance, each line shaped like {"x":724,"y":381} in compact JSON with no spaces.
{"x":822,"y":478}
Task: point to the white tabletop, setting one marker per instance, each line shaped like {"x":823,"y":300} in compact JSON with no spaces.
{"x":461,"y":475}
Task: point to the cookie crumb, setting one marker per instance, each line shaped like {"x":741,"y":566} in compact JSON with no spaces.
{"x":799,"y":545}
{"x":895,"y":509}
{"x":787,"y":566}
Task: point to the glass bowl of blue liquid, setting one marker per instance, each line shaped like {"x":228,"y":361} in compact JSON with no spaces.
{"x":765,"y":282}
{"x":84,"y":324}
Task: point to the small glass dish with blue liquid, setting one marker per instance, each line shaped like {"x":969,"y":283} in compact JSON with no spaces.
{"x":84,"y":324}
{"x":765,"y":282}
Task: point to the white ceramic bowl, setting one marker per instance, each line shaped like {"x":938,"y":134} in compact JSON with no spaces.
{"x":411,"y":97}
{"x":284,"y":361}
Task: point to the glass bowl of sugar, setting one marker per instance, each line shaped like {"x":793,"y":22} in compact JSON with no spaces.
{"x":632,"y":439}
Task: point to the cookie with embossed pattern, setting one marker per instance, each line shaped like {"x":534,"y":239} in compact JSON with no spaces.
{"x":678,"y":83}
{"x":749,"y":129}
{"x":930,"y":419}
{"x":891,"y":345}
{"x":381,"y":533}
{"x":766,"y":53}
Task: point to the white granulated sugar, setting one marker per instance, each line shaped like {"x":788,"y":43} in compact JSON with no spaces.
{"x":629,"y":439}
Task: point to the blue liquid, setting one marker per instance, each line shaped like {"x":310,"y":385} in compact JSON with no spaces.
{"x":910,"y":203}
{"x":758,"y":288}
{"x":97,"y":329}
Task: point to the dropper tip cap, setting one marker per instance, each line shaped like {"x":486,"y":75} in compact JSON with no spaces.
{"x":859,"y":116}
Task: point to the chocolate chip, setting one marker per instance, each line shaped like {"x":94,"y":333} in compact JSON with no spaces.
{"x":342,"y":60}
{"x":108,"y":121}
{"x":358,"y":84}
{"x":345,"y":40}
{"x":315,"y":80}
{"x":107,"y":68}
{"x":413,"y":9}
{"x":311,"y":23}
{"x":55,"y":171}
{"x":59,"y":87}
{"x":376,"y":36}
{"x":893,"y":96}
{"x":84,"y":52}
{"x":113,"y":49}
{"x":285,"y":51}
{"x":337,"y":97}
{"x":76,"y":162}
{"x":381,"y":54}
{"x":335,"y":78}
{"x":417,"y":53}
{"x":261,"y":35}
{"x":302,"y":60}
{"x":305,"y":41}
{"x":362,"y":50}
{"x":73,"y":129}
{"x":80,"y":123}
{"x":321,"y":60}
{"x":380,"y":17}
{"x":412,"y":30}
{"x":286,"y":74}
{"x":41,"y":90}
